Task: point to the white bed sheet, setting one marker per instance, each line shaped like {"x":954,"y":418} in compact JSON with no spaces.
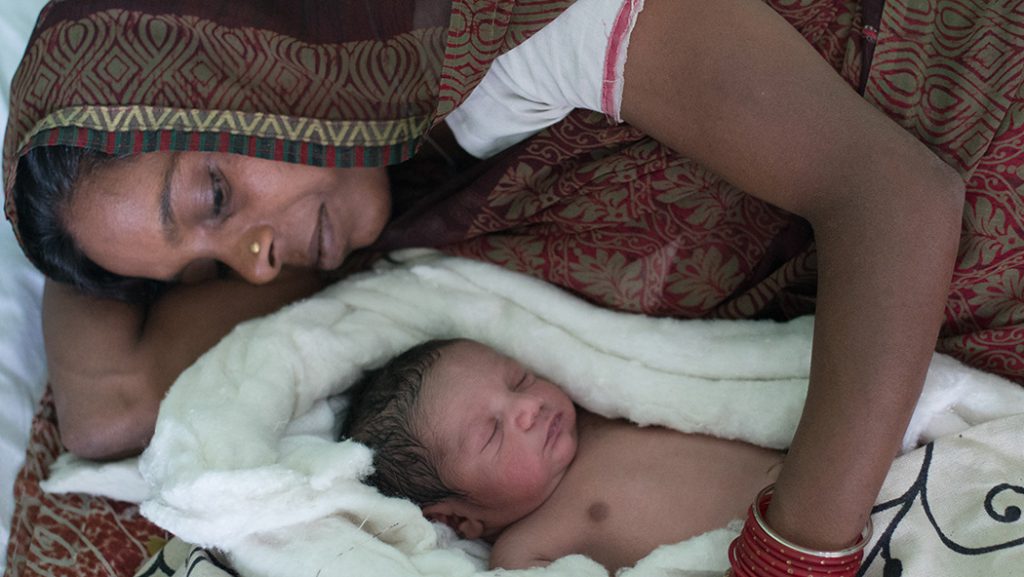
{"x":22,"y":361}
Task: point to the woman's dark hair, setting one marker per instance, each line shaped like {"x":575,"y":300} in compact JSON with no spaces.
{"x":45,"y":182}
{"x":383,"y":416}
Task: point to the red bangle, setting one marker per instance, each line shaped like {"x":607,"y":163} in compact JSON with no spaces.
{"x":759,"y":551}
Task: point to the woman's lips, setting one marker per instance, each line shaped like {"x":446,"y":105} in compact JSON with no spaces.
{"x":331,"y":254}
{"x":324,"y":254}
{"x":317,"y":241}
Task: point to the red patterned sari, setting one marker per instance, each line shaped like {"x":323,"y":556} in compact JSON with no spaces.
{"x":598,"y":209}
{"x":614,"y":216}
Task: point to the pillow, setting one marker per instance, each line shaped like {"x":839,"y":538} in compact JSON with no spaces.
{"x":22,"y":362}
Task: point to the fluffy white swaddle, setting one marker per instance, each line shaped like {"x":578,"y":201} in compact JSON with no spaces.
{"x":233,"y":466}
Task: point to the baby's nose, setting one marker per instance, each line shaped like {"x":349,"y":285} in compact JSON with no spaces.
{"x":526,"y":414}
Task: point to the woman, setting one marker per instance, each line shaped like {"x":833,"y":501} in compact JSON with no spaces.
{"x":728,"y":83}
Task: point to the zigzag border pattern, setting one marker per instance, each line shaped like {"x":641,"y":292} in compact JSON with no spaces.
{"x":297,"y":129}
{"x":175,"y":67}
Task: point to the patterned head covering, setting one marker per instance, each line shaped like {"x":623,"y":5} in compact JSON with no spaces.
{"x":320,"y":82}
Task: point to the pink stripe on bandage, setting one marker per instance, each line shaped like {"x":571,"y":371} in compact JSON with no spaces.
{"x":615,"y":58}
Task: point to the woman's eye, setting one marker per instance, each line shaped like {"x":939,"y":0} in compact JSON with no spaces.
{"x":217,"y":188}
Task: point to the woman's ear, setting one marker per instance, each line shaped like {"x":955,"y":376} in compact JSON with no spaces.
{"x":450,"y":514}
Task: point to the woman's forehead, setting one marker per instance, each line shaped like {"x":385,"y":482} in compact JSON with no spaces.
{"x":114,"y":186}
{"x":114,"y":214}
{"x":127,"y":174}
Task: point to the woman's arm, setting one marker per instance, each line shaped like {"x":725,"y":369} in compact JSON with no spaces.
{"x":111,"y":363}
{"x":731,"y":84}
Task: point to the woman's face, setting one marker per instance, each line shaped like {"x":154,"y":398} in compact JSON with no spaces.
{"x":173,"y":216}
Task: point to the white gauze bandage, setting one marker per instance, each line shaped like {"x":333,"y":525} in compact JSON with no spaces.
{"x":576,"y":61}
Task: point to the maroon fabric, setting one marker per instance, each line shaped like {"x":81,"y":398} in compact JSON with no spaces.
{"x":616,"y":218}
{"x":314,"y":21}
{"x":71,"y":535}
{"x":613,"y":216}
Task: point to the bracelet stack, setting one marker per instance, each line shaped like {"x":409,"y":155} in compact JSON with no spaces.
{"x":761,"y":552}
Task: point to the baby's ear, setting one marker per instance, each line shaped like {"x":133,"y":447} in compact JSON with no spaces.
{"x":447,"y":513}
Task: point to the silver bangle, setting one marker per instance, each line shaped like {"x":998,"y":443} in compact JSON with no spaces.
{"x":865,"y":535}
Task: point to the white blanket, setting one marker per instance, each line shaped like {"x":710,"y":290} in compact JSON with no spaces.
{"x":232,"y":466}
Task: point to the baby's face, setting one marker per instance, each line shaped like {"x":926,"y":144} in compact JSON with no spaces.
{"x":505,"y":436}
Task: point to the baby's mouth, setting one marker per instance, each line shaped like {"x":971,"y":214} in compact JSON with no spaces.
{"x":554,"y":429}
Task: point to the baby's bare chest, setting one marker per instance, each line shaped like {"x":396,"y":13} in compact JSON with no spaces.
{"x":627,"y":479}
{"x":631,"y":489}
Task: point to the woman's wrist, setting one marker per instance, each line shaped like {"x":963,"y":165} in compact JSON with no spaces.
{"x":760,"y":551}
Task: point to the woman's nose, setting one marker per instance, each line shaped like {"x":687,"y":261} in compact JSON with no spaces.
{"x":254,"y":256}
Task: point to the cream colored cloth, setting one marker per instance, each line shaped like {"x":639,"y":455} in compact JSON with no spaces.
{"x":242,"y":459}
{"x":953,"y":508}
{"x":945,"y":510}
{"x":179,"y":559}
{"x":223,"y":473}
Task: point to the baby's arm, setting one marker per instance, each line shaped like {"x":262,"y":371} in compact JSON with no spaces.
{"x":530,"y":544}
{"x":516,"y":560}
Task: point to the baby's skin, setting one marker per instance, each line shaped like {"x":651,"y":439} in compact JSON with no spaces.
{"x":545,"y":479}
{"x":631,"y":489}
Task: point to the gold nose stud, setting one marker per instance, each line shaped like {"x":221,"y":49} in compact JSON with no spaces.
{"x":255,"y":248}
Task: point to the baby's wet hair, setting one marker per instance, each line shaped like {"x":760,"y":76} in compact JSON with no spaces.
{"x":383,"y":415}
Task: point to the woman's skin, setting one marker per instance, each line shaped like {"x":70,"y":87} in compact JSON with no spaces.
{"x":749,"y":98}
{"x":753,"y":102}
{"x":172,"y":215}
{"x":111,"y":363}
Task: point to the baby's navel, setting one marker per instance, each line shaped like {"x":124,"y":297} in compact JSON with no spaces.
{"x":598,"y":511}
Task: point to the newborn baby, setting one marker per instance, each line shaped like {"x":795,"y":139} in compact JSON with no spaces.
{"x":496,"y":452}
